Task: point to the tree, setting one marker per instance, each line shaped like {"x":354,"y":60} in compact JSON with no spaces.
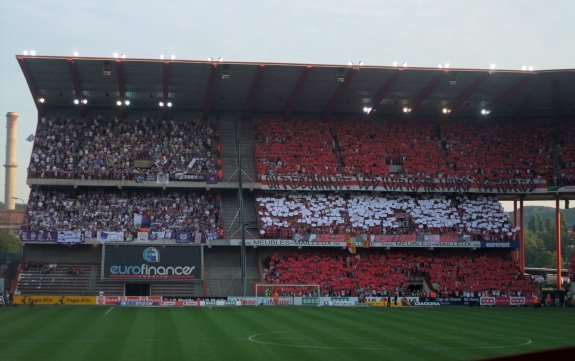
{"x":536,"y":252}
{"x":9,"y":243}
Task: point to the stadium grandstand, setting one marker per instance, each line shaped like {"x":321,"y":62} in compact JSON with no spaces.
{"x":193,"y":179}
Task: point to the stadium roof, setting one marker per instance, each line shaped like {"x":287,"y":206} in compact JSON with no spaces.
{"x":288,"y":89}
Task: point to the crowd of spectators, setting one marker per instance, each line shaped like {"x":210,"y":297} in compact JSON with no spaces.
{"x":110,"y":148}
{"x":369,"y":148}
{"x":471,"y":151}
{"x":106,"y":147}
{"x":298,"y":147}
{"x":450,"y":273}
{"x":114,"y":210}
{"x":283,"y":214}
{"x":493,"y":152}
{"x":567,"y":151}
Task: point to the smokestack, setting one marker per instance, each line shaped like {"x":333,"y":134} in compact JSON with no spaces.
{"x":10,"y":165}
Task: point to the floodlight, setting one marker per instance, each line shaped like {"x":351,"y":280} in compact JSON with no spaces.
{"x":161,"y":104}
{"x":126,"y":102}
{"x":76,"y":54}
{"x":447,"y":66}
{"x":220,"y":59}
{"x":360,"y":63}
{"x":440,"y":66}
{"x":530,"y":68}
{"x":210,"y":58}
{"x":172,"y":57}
{"x":446,"y":110}
{"x":524,"y":67}
{"x":395,"y":63}
{"x":367,"y":110}
{"x":485,"y":111}
{"x":84,"y":101}
{"x":33,"y":52}
{"x":406,"y":110}
{"x":25,"y":52}
{"x":404,"y":65}
{"x":119,"y":103}
{"x":76,"y":101}
{"x":162,"y":56}
{"x":169,"y":104}
{"x":115,"y":55}
{"x":492,"y":66}
{"x":123,"y":56}
{"x":350,"y":63}
{"x":41,"y":100}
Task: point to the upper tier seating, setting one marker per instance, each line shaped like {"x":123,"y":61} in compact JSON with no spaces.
{"x":299,"y":147}
{"x":109,"y":148}
{"x":493,"y":153}
{"x":369,"y":148}
{"x":475,"y":151}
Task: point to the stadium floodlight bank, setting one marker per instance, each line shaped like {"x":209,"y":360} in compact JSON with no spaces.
{"x":268,"y":294}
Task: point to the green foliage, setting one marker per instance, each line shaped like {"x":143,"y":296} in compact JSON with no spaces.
{"x":9,"y":243}
{"x":540,"y":242}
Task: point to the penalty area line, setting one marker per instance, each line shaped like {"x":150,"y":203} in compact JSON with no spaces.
{"x":110,"y":309}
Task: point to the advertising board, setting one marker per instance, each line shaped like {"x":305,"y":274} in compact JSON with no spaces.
{"x":151,"y":263}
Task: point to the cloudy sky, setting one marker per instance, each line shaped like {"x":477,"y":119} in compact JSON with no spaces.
{"x":471,"y":34}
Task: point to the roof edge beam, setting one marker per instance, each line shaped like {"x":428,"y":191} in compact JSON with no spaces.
{"x":468,"y":93}
{"x":296,"y":92}
{"x":74,"y":77}
{"x":384,"y":90}
{"x":522,"y":107}
{"x":120,"y":79}
{"x":210,"y":90}
{"x":253,"y":91}
{"x":31,"y":84}
{"x":166,"y":80}
{"x":328,"y":110}
{"x":426,"y":91}
{"x":510,"y":92}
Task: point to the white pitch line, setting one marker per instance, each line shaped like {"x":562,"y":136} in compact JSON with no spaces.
{"x":253,"y":338}
{"x":110,"y":309}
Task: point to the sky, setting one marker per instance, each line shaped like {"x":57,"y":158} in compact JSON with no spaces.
{"x":467,"y":34}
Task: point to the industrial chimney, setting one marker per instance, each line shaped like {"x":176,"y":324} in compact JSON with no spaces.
{"x":10,"y":165}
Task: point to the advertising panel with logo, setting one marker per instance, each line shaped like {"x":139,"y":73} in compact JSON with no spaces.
{"x":151,"y":263}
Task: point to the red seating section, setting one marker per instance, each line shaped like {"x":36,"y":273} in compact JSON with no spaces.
{"x":299,"y":147}
{"x":368,"y":148}
{"x":478,"y":151}
{"x":493,"y":153}
{"x":450,"y":272}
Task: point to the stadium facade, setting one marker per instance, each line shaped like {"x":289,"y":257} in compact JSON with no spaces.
{"x":202,"y":178}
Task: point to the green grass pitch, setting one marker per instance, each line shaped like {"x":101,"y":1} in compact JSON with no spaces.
{"x":284,"y":333}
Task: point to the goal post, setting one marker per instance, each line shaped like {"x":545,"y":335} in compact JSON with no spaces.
{"x":269,"y":294}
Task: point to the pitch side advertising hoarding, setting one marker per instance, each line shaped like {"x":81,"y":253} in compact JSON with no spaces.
{"x":138,"y":263}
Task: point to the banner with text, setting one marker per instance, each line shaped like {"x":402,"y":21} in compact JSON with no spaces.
{"x":151,"y":263}
{"x":400,"y":184}
{"x":380,"y":241}
{"x":54,"y":300}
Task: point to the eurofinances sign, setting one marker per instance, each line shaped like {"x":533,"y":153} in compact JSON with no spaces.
{"x":152,"y":263}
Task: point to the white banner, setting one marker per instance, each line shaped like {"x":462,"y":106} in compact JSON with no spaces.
{"x":104,"y":237}
{"x":244,"y":301}
{"x":304,"y":243}
{"x":70,"y":237}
